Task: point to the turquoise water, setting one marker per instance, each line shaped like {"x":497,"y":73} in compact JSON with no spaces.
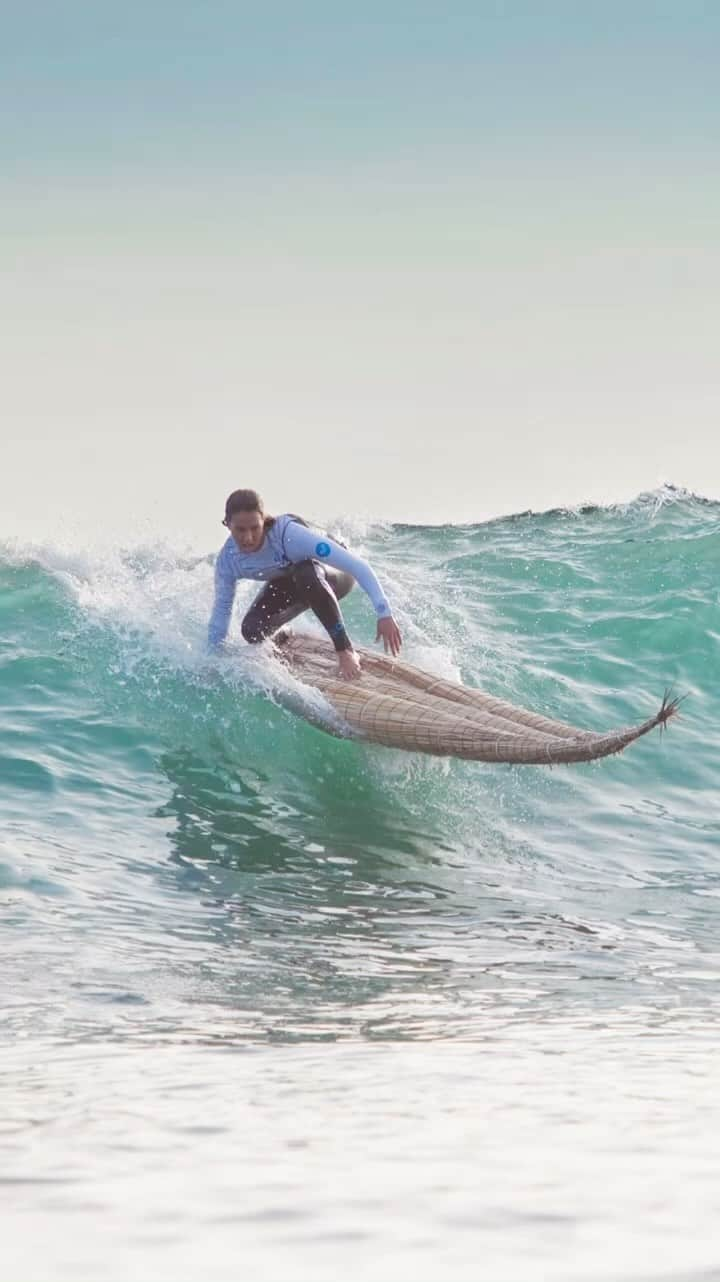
{"x":286,"y":1005}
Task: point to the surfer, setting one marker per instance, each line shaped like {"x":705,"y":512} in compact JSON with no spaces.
{"x":302,"y":569}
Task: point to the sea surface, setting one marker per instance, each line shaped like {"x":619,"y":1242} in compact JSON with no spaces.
{"x":277,"y":1005}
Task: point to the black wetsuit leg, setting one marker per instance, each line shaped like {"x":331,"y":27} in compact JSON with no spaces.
{"x":307,"y":586}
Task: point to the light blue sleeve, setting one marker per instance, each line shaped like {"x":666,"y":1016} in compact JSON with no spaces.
{"x":302,"y":544}
{"x":225,"y":585}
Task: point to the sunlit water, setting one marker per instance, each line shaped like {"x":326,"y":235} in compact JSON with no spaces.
{"x":285,"y":1006}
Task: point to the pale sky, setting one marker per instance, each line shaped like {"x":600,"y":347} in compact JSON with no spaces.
{"x":424,"y":262}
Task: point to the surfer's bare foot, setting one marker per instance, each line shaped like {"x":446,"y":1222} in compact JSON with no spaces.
{"x":348,"y":665}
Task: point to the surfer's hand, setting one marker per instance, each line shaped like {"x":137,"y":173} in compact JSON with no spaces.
{"x":348,"y":665}
{"x":389,"y":633}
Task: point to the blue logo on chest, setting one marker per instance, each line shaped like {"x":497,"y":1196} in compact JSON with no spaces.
{"x":322,"y":549}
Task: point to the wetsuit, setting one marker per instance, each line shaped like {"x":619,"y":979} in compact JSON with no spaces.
{"x":303,"y":570}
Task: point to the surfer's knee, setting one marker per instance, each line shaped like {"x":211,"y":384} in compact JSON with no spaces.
{"x":341,"y":582}
{"x":252,"y":628}
{"x":306,"y":577}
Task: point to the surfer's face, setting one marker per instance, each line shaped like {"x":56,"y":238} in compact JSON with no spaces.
{"x":248,"y":530}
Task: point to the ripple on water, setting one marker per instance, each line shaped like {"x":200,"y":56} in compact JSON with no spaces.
{"x":25,"y":773}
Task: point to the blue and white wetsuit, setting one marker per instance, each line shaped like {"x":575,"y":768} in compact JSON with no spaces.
{"x":292,"y":561}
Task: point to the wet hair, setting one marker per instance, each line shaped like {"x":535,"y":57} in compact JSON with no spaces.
{"x":245,"y":501}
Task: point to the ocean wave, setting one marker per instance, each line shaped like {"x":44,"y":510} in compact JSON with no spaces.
{"x":587,"y":615}
{"x":167,"y":805}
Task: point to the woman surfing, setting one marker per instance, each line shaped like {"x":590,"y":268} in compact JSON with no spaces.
{"x":302,"y":570}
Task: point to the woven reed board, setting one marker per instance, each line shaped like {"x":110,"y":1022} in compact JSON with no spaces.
{"x":400,"y":706}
